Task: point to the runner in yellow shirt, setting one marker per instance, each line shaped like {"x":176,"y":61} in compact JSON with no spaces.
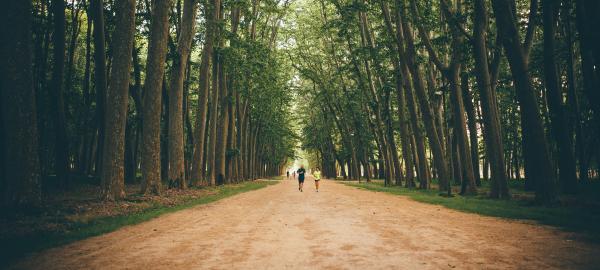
{"x":317,"y":176}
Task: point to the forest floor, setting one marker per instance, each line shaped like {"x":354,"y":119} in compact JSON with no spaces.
{"x":341,"y":227}
{"x":79,"y":213}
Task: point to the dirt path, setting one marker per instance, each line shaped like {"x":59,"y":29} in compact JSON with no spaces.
{"x":340,"y":227}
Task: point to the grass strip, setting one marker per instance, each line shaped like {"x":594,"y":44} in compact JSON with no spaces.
{"x":18,"y":247}
{"x":583,"y":220}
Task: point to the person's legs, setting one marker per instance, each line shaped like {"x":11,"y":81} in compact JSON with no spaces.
{"x":317,"y":184}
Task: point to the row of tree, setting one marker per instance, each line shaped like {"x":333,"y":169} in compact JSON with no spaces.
{"x":453,"y":90}
{"x":181,"y":92}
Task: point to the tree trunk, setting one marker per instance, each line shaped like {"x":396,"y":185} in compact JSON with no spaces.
{"x":440,"y":160}
{"x":155,"y":70}
{"x":535,"y":146}
{"x":401,"y":100}
{"x":99,"y":76}
{"x":134,"y":123}
{"x":468,"y":186}
{"x":61,"y":147}
{"x":214,"y":100}
{"x":564,"y":141}
{"x":176,"y":142}
{"x":129,"y":150}
{"x":223,"y":126}
{"x":212,"y":128}
{"x":189,"y":131}
{"x":404,"y":128}
{"x":201,"y":118}
{"x":573,"y":100}
{"x":87,"y":102}
{"x":112,"y":175}
{"x":75,"y":29}
{"x":69,"y":80}
{"x":491,"y":126}
{"x":230,"y":160}
{"x":472,"y":125}
{"x":419,"y":140}
{"x":455,"y":158}
{"x":21,"y":165}
{"x":164,"y":134}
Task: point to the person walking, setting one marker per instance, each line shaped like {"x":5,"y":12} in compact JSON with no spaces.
{"x":317,"y":176}
{"x":301,"y":173}
{"x":288,"y":174}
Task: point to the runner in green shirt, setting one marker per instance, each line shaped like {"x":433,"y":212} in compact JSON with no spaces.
{"x":317,"y":175}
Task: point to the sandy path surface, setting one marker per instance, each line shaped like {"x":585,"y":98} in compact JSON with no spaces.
{"x":340,"y":227}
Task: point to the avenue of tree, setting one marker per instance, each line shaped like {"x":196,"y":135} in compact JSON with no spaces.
{"x":180,"y":93}
{"x":453,"y":91}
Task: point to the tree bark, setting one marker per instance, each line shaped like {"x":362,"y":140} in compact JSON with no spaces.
{"x":472,"y":125}
{"x":230,"y":160}
{"x":201,"y":118}
{"x":223,"y":126}
{"x":468,"y":186}
{"x":451,"y":73}
{"x":535,"y":146}
{"x":112,"y":175}
{"x":491,"y":126}
{"x":21,"y":164}
{"x":419,"y":141}
{"x":155,"y":70}
{"x":99,"y":75}
{"x":176,"y":142}
{"x":400,"y":97}
{"x":440,"y":160}
{"x":572,"y":97}
{"x":86,"y":144}
{"x":564,"y":141}
{"x":61,"y":147}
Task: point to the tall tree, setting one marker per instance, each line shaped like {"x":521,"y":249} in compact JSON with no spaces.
{"x":204,"y":86}
{"x":564,"y":141}
{"x":439,"y":157}
{"x":214,"y":97}
{"x":176,"y":144}
{"x":472,"y":125}
{"x":112,"y":174}
{"x":451,"y":72}
{"x":61,"y":150}
{"x":419,"y":140}
{"x":21,"y":164}
{"x":85,"y":149}
{"x":491,"y":126}
{"x":572,"y":93}
{"x":223,"y":123}
{"x":535,"y":145}
{"x":155,"y":69}
{"x":401,"y":100}
{"x":99,"y":76}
